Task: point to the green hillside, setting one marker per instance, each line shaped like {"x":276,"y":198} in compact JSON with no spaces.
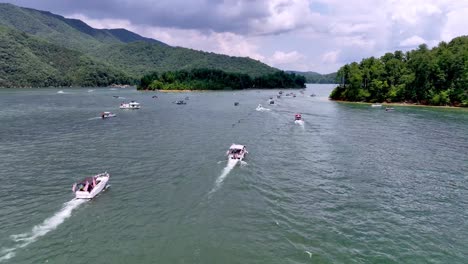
{"x":315,"y":77}
{"x":437,"y":76}
{"x":29,"y":61}
{"x":126,"y":51}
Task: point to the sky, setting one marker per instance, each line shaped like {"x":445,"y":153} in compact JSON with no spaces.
{"x":302,"y":35}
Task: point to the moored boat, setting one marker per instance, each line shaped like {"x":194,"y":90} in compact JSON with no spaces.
{"x":131,"y":105}
{"x":376,"y":105}
{"x":91,"y":186}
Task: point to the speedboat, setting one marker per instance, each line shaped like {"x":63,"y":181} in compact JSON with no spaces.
{"x":131,"y":105}
{"x":236,"y":153}
{"x":298,"y":119}
{"x":91,"y":186}
{"x":261,"y":108}
{"x":107,"y":115}
{"x":376,"y":105}
{"x":180,"y":102}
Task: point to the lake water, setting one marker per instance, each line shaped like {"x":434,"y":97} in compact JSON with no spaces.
{"x":355,"y":184}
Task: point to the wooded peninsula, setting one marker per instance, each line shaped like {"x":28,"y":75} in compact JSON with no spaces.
{"x":211,"y":79}
{"x":437,"y":76}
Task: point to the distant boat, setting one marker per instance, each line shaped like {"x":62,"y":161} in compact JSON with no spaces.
{"x":271,"y":101}
{"x":154,"y":96}
{"x":236,"y":103}
{"x":60,"y":92}
{"x":187,"y":98}
{"x":313,"y":95}
{"x":278,"y":96}
{"x":105,"y":115}
{"x":298,"y":119}
{"x":387,"y":109}
{"x":376,"y":105}
{"x":236,"y":153}
{"x":180,"y":102}
{"x":280,"y":92}
{"x":131,"y":105}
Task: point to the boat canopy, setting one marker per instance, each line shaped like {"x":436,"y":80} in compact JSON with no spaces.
{"x":235,"y":146}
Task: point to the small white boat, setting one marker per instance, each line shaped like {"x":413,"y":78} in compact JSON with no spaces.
{"x":298,"y":119}
{"x":261,"y":108}
{"x":91,"y":186}
{"x":236,"y":153}
{"x":107,"y":115}
{"x":376,"y":105}
{"x":131,"y":105}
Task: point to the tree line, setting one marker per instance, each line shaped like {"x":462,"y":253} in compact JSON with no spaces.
{"x":212,"y":79}
{"x":437,"y":76}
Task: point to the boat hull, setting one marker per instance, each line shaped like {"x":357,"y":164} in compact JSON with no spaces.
{"x":95,"y":191}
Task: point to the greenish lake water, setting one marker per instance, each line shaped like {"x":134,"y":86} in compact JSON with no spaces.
{"x":355,"y":184}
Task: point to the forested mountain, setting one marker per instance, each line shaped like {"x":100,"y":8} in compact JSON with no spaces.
{"x":29,"y":61}
{"x":437,"y":76}
{"x":122,"y":51}
{"x":315,"y":77}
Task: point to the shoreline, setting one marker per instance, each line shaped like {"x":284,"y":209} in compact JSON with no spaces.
{"x":402,"y":104}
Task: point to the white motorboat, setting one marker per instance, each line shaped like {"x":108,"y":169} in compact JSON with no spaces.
{"x":236,"y":153}
{"x":107,"y":115}
{"x":298,"y":119}
{"x":261,"y":108}
{"x":131,"y":105}
{"x":91,"y":186}
{"x":376,"y":105}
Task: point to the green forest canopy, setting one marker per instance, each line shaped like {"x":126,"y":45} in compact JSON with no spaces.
{"x":437,"y":76}
{"x":211,"y":79}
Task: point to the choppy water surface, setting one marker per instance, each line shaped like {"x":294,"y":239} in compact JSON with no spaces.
{"x":352,"y":185}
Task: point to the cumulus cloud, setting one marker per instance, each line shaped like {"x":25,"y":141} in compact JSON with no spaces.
{"x":412,"y":41}
{"x":318,"y":35}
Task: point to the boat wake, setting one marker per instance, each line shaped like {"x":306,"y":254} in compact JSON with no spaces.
{"x":262,"y":109}
{"x":51,"y":223}
{"x":94,"y":118}
{"x":219,"y":181}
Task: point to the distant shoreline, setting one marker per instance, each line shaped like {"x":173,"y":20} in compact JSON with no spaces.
{"x":402,"y":104}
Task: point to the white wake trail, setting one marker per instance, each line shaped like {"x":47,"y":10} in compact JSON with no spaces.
{"x":219,"y":181}
{"x":51,"y":223}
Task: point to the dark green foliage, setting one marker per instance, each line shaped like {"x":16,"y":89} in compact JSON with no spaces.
{"x":210,"y":79}
{"x":28,"y":61}
{"x":121,"y":54}
{"x":315,"y":77}
{"x":437,"y":77}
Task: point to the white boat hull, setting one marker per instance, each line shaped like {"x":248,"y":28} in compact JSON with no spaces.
{"x":95,"y":191}
{"x":299,"y":122}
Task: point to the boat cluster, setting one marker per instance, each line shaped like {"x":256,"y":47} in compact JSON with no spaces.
{"x":387,"y":109}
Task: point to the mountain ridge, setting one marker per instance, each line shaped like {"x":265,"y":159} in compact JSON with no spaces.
{"x":124,"y":51}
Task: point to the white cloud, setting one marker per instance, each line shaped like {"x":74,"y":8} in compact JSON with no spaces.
{"x":317,"y":35}
{"x":412,"y":41}
{"x":331,"y":57}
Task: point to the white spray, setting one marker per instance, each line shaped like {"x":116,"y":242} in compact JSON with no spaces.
{"x":51,"y":223}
